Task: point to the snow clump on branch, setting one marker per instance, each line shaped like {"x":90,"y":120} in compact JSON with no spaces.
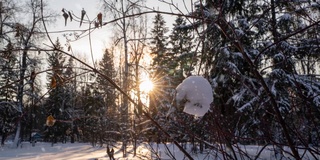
{"x":197,"y":94}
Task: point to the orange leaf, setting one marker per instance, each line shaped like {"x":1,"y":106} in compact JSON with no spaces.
{"x":50,"y":121}
{"x":53,"y":83}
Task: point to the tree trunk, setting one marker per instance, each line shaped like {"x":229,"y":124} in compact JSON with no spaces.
{"x":20,"y":93}
{"x":125,"y":80}
{"x":17,"y":139}
{"x":4,"y":136}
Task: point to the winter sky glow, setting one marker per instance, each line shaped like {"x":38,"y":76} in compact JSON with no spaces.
{"x":100,"y":37}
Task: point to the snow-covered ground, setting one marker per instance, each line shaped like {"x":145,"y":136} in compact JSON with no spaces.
{"x":71,"y":151}
{"x":84,"y":151}
{"x":44,"y":151}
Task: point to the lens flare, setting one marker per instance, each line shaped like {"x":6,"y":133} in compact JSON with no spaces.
{"x":146,"y":85}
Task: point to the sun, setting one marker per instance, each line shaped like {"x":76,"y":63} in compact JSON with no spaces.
{"x":146,"y":85}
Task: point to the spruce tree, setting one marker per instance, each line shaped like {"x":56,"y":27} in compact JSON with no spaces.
{"x":108,"y":92}
{"x":8,"y":112}
{"x":109,"y":95}
{"x":159,"y":67}
{"x":160,"y":97}
{"x":59,"y":98}
{"x":182,"y":55}
{"x":95,"y":123}
{"x":183,"y":59}
{"x":8,"y":76}
{"x":250,"y":51}
{"x":159,"y":41}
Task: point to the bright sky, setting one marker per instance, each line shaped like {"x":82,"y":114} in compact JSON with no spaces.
{"x":99,"y":37}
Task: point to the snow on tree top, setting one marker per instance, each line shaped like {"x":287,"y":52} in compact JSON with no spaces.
{"x":286,"y":17}
{"x":197,"y":94}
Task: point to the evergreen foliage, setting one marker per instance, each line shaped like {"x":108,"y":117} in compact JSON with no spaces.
{"x":249,"y":91}
{"x":107,"y":91}
{"x":261,"y":58}
{"x":159,"y":66}
{"x":8,"y":76}
{"x":109,"y":119}
{"x":182,"y":55}
{"x":58,"y":101}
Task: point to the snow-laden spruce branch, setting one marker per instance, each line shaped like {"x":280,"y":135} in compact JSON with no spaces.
{"x":281,"y":39}
{"x":226,"y":27}
{"x":10,"y":105}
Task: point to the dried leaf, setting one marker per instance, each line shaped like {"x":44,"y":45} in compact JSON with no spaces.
{"x":50,"y":121}
{"x":83,"y":12}
{"x":53,"y":82}
{"x":70,"y":15}
{"x":99,"y":17}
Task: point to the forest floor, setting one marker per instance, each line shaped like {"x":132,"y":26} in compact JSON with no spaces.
{"x":85,"y":151}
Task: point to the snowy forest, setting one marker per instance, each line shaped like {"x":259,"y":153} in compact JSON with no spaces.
{"x":260,"y":57}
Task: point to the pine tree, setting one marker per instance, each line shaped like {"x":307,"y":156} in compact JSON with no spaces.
{"x":109,"y":121}
{"x":59,"y":98}
{"x":159,"y":42}
{"x":108,"y":92}
{"x":8,"y":112}
{"x":159,"y":52}
{"x":70,"y":85}
{"x":182,"y":55}
{"x":8,"y":76}
{"x":160,"y":97}
{"x":251,"y":92}
{"x":95,"y":122}
{"x":182,"y":61}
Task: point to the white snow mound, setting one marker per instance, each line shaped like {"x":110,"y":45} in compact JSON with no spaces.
{"x":196,"y":91}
